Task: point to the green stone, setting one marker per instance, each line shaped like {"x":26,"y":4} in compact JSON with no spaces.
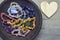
{"x":28,"y":23}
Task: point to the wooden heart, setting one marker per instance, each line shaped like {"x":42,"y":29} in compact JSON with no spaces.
{"x":49,"y":9}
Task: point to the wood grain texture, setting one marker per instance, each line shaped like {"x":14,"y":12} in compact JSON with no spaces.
{"x":51,"y":27}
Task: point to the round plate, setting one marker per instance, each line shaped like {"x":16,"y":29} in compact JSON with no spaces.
{"x":4,"y":7}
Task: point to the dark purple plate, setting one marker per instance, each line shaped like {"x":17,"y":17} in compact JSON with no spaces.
{"x":32,"y":34}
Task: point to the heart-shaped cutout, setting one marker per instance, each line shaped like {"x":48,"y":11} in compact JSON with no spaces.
{"x":49,"y":9}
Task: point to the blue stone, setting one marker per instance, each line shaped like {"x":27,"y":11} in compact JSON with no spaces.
{"x":26,"y":16}
{"x":10,"y":29}
{"x":26,"y":11}
{"x":30,"y":16}
{"x":19,"y":12}
{"x":23,"y":6}
{"x":30,"y":9}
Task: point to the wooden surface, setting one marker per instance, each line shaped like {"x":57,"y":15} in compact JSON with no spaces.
{"x":51,"y":27}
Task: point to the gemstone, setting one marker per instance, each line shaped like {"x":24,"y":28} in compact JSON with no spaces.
{"x":19,"y":12}
{"x":23,"y":6}
{"x":28,"y":23}
{"x":14,"y":11}
{"x":30,"y":9}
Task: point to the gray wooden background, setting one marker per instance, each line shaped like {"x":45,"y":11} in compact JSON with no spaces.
{"x":51,"y":27}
